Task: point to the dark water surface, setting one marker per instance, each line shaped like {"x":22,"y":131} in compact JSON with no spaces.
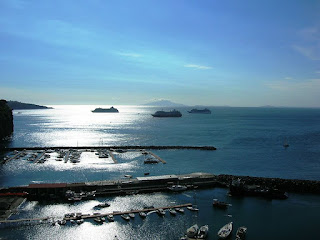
{"x":249,"y":142}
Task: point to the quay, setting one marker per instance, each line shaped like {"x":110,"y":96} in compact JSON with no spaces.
{"x":149,"y":184}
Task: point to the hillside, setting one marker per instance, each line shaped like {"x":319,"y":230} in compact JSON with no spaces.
{"x":19,"y":105}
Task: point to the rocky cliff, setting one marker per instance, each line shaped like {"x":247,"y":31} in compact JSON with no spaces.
{"x":6,"y":120}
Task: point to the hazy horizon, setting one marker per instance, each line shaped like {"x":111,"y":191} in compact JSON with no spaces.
{"x":211,"y":53}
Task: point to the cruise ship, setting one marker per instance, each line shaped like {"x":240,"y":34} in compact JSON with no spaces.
{"x":107,"y":110}
{"x":173,"y":113}
{"x":203,"y":111}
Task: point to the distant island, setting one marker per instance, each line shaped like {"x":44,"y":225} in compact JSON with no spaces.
{"x":164,"y":103}
{"x":19,"y":105}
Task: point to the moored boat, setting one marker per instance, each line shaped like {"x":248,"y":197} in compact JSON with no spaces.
{"x":161,"y":212}
{"x":98,"y":219}
{"x":193,"y":208}
{"x":219,"y":204}
{"x":125,"y":217}
{"x":142,"y":214}
{"x":131,"y":215}
{"x":110,"y":218}
{"x":172,"y":211}
{"x":192,"y":231}
{"x":225,"y":231}
{"x":180,"y":210}
{"x":177,"y":188}
{"x":241,"y":233}
{"x":203,"y":232}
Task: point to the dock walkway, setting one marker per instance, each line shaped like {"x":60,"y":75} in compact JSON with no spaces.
{"x":157,"y":157}
{"x":112,"y":156}
{"x":88,"y":216}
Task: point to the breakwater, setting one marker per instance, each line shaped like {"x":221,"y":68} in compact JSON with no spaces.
{"x":208,"y":148}
{"x":161,"y":183}
{"x":288,"y":185}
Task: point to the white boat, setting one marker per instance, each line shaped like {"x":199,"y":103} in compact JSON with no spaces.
{"x":203,"y":232}
{"x":161,"y":212}
{"x":172,"y":211}
{"x":98,"y":220}
{"x":180,"y":210}
{"x":125,"y":217}
{"x":177,"y":188}
{"x":193,"y":208}
{"x":225,"y":231}
{"x":241,"y":233}
{"x":131,"y":215}
{"x":110,"y":218}
{"x":192,"y":231}
{"x":142,"y":214}
{"x":80,"y":221}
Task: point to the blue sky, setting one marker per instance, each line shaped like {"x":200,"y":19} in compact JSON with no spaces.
{"x":237,"y":53}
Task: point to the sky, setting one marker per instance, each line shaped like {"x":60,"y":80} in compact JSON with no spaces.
{"x":195,"y":52}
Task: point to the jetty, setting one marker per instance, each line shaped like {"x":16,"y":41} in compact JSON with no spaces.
{"x":157,"y":157}
{"x":112,"y":156}
{"x":94,"y":215}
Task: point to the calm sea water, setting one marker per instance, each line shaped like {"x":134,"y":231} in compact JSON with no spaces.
{"x":249,"y":142}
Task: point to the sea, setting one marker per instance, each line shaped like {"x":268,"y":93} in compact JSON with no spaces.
{"x":249,"y":142}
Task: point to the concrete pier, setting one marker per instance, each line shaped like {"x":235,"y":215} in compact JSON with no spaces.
{"x":157,"y":157}
{"x":88,"y":216}
{"x":112,"y":156}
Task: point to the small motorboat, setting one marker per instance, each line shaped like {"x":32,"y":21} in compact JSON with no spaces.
{"x":180,"y":210}
{"x":80,"y":221}
{"x":192,"y":231}
{"x":161,"y":212}
{"x":128,"y":176}
{"x":219,"y":204}
{"x":172,"y":211}
{"x":62,"y":222}
{"x":110,"y":218}
{"x":103,"y":205}
{"x":177,"y":188}
{"x":98,"y":219}
{"x":225,"y":231}
{"x":131,"y":215}
{"x":193,"y":208}
{"x":125,"y":217}
{"x":241,"y":233}
{"x":203,"y":232}
{"x":142,"y":214}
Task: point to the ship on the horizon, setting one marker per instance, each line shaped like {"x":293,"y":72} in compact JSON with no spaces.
{"x":203,"y":111}
{"x":173,"y":113}
{"x":107,"y":110}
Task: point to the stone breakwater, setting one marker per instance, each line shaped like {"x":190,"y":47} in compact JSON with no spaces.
{"x":288,"y":185}
{"x":6,"y":120}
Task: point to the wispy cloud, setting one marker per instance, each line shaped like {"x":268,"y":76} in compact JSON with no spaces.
{"x":196,"y":66}
{"x":288,"y":78}
{"x":129,"y":54}
{"x":311,"y":84}
{"x":308,"y":43}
